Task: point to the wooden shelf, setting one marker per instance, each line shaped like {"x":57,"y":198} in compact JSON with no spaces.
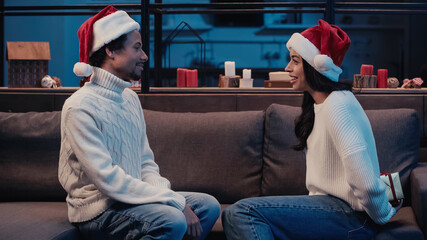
{"x":261,"y":90}
{"x":207,"y":90}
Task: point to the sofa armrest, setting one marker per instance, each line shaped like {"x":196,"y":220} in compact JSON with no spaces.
{"x":419,"y":194}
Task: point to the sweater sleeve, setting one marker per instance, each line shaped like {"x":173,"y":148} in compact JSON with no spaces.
{"x":88,"y":144}
{"x":350,"y":130}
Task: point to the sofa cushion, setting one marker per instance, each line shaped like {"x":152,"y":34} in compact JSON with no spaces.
{"x":35,"y":220}
{"x":397,"y":136}
{"x":401,"y":226}
{"x":284,"y":168}
{"x":418,"y":180}
{"x":29,"y":153}
{"x":218,"y":153}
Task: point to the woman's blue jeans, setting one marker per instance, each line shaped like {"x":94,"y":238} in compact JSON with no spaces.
{"x":296,"y":217}
{"x":150,"y":221}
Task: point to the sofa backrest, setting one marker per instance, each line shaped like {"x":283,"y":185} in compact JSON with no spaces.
{"x":225,"y":154}
{"x":396,"y":132}
{"x":219,"y":153}
{"x":284,"y":168}
{"x":29,"y":152}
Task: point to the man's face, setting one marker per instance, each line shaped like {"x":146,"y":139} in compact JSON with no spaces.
{"x":128,"y":63}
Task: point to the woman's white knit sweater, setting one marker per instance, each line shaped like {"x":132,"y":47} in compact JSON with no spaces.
{"x":342,"y":158}
{"x":105,"y":155}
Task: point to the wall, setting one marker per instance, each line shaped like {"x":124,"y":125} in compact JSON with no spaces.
{"x":38,"y":29}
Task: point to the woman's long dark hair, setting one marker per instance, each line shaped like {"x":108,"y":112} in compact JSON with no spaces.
{"x":97,"y":58}
{"x":304,"y":122}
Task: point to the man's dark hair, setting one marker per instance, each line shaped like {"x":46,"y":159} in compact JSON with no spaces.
{"x":98,"y":57}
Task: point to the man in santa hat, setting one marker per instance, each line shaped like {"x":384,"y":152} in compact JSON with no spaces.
{"x":106,"y":165}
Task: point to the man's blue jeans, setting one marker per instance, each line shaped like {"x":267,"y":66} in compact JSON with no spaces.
{"x":295,"y":217}
{"x":150,"y":221}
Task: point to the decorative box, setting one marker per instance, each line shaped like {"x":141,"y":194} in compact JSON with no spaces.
{"x":277,"y":84}
{"x":228,"y":82}
{"x":393,"y":186}
{"x":27,"y":63}
{"x":365,"y":81}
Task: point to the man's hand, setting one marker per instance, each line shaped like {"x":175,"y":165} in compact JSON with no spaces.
{"x":194,"y":228}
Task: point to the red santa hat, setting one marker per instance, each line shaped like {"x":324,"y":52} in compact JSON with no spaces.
{"x":323,"y":47}
{"x":99,"y":30}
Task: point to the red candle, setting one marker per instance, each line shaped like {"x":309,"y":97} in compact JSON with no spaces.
{"x":191,"y":77}
{"x":382,"y":78}
{"x":367,"y":69}
{"x":180,"y":77}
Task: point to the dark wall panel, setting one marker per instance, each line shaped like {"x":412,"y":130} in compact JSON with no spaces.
{"x":189,"y":103}
{"x":246,"y":102}
{"x":26,"y":102}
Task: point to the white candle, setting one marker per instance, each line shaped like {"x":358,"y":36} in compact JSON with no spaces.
{"x":246,"y":74}
{"x":246,"y":83}
{"x":230,"y":69}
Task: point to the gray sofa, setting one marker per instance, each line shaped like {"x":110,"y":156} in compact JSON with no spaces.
{"x":230,"y":155}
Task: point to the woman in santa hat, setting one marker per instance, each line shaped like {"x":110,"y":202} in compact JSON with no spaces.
{"x":347,"y":199}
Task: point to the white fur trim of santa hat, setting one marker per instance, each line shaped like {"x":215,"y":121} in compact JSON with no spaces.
{"x":112,"y":27}
{"x":309,"y":52}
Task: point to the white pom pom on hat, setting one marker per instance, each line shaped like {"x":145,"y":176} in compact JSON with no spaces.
{"x":82,"y":69}
{"x":106,"y":26}
{"x":323,"y":47}
{"x":323,"y":62}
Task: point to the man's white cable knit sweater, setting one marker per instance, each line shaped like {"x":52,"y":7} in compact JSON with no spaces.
{"x":105,"y":155}
{"x":342,"y":158}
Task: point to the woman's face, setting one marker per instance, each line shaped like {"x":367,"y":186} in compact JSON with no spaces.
{"x":296,"y":72}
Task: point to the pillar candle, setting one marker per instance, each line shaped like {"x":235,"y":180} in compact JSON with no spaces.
{"x":246,"y":83}
{"x":382,"y":78}
{"x":230,"y":68}
{"x":367,"y":69}
{"x":180,"y":77}
{"x":191,"y":77}
{"x":246,"y":74}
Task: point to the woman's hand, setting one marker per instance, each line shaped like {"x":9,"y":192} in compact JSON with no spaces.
{"x":399,"y":205}
{"x":194,"y":228}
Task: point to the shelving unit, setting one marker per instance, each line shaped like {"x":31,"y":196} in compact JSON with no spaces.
{"x":329,"y":9}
